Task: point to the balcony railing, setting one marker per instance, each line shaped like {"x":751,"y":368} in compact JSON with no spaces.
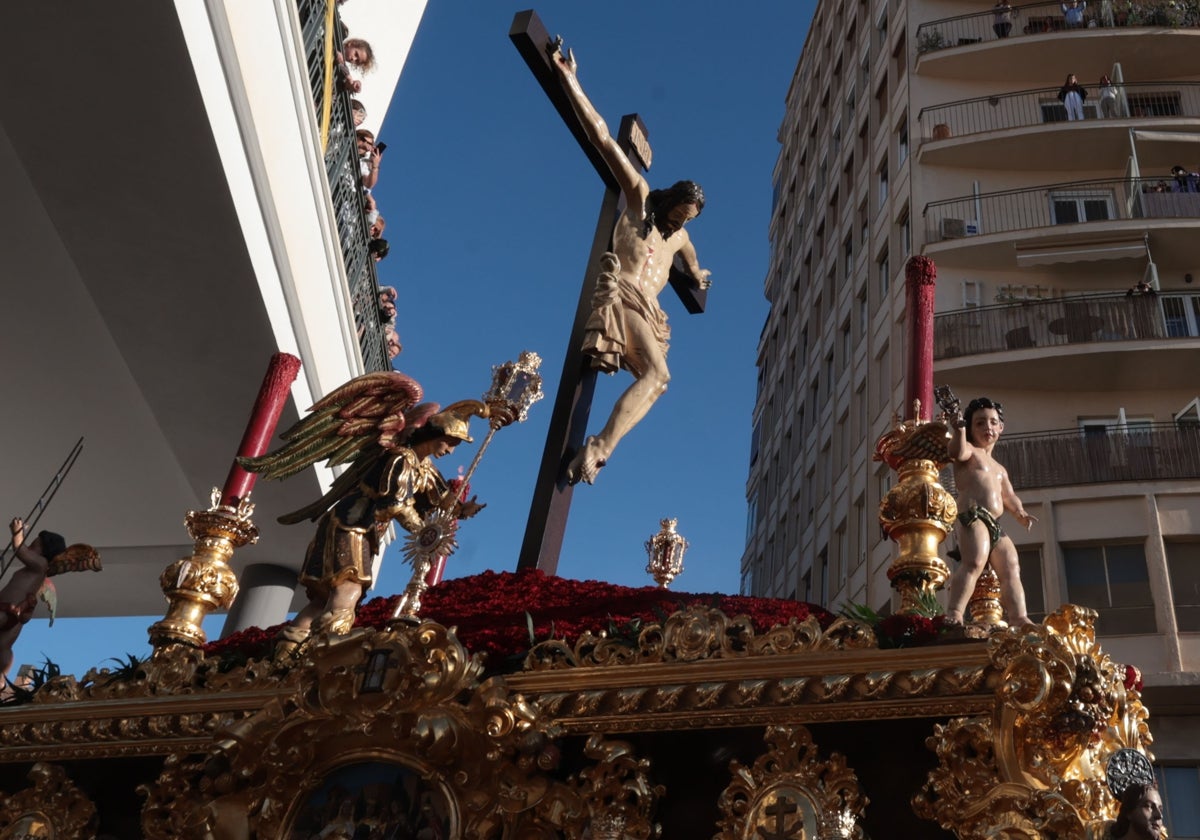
{"x":345,"y":184}
{"x":1071,"y":202}
{"x":1038,"y":18}
{"x":1070,"y":320}
{"x":1026,"y":108}
{"x":1141,"y":452}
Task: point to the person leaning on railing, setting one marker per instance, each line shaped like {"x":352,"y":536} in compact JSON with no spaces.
{"x":1004,"y":13}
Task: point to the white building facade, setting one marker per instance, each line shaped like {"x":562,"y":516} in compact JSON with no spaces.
{"x":932,"y":128}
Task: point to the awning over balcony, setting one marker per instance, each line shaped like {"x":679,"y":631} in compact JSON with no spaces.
{"x":1080,"y":252}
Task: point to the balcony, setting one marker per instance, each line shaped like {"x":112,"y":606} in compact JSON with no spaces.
{"x":1146,"y":452}
{"x":1151,"y":40}
{"x":1082,"y":319}
{"x":1032,"y":126}
{"x":1083,"y":339}
{"x":978,"y":228}
{"x":345,"y":184}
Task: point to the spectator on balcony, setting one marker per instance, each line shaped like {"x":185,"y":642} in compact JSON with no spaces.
{"x":377,"y":226}
{"x":1073,"y":13}
{"x":1004,"y":13}
{"x":1108,"y":98}
{"x":378,"y":249}
{"x":368,"y":158}
{"x":1072,"y":95}
{"x":984,"y":494}
{"x":1184,"y":181}
{"x":387,"y":304}
{"x":1140,"y":288}
{"x":392,"y":339}
{"x":358,"y":54}
{"x":358,"y":111}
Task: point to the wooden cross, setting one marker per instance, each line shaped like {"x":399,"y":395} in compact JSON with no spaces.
{"x":568,"y":423}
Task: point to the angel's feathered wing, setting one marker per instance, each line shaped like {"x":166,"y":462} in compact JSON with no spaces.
{"x":368,"y":410}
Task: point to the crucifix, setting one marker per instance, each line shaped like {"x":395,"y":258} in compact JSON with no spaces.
{"x":622,"y":326}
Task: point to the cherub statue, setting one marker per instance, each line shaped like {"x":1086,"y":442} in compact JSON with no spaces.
{"x":375,"y":424}
{"x":41,"y":558}
{"x":627,"y":327}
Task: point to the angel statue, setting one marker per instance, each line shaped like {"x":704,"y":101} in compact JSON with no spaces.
{"x":377,"y":425}
{"x":41,"y":558}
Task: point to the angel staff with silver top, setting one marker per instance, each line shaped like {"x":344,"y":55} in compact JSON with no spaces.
{"x":375,"y":424}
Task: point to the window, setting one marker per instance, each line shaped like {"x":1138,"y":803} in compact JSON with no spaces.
{"x":1183,"y":565}
{"x":885,"y":274}
{"x":1182,"y":314}
{"x":805,"y":587}
{"x":755,"y":437}
{"x":848,"y":254}
{"x":906,"y":232}
{"x":1180,"y":791}
{"x":883,"y":183}
{"x":751,"y":516}
{"x":1067,"y":208}
{"x":747,"y":587}
{"x":902,"y":141}
{"x":1055,"y":111}
{"x":1158,"y":104}
{"x":972,"y":294}
{"x":1112,"y":580}
{"x":823,"y":585}
{"x":1030,"y":560}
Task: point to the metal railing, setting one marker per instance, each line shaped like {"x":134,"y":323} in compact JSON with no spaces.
{"x":1141,"y":452}
{"x":345,"y":185}
{"x":1039,"y":18}
{"x":1069,"y":202}
{"x":1080,"y":319}
{"x":1024,"y":108}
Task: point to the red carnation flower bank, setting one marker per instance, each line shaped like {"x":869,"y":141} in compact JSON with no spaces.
{"x":489,"y":610}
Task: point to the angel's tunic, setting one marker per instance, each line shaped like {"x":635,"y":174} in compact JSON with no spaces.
{"x":402,"y":487}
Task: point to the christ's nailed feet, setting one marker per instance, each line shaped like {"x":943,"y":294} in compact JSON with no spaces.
{"x":586,"y":464}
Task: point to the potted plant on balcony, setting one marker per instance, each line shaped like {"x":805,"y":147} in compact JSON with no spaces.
{"x":930,"y":40}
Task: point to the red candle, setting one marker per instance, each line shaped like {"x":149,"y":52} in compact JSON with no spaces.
{"x":920,"y":279}
{"x":276,"y":386}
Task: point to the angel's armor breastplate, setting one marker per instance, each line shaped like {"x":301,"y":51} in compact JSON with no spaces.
{"x":402,"y":487}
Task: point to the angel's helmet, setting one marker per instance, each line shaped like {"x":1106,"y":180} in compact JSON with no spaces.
{"x":454,"y":421}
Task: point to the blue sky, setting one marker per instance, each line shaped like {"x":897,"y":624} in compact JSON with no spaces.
{"x":491,"y":209}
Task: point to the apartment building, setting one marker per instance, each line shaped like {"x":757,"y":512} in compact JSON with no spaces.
{"x":937,"y":128}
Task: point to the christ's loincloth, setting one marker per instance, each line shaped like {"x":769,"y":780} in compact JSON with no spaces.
{"x":606,"y":338}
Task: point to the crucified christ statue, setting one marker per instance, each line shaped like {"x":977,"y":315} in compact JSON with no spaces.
{"x":627,"y":328}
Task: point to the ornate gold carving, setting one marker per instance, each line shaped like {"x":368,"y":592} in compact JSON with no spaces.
{"x":984,"y":606}
{"x":790,"y":792}
{"x":409,"y":695}
{"x":699,"y":633}
{"x":1035,"y":767}
{"x":203,"y":582}
{"x":54,"y":808}
{"x":917,"y":512}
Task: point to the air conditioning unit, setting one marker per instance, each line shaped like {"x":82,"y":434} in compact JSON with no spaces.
{"x":958,"y":228}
